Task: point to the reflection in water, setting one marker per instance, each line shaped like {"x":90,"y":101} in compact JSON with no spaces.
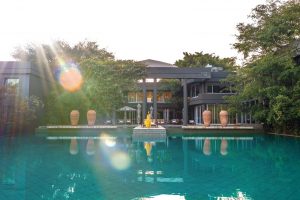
{"x":120,"y":160}
{"x":224,"y":147}
{"x":108,"y":140}
{"x":73,"y":146}
{"x":38,"y":169}
{"x":148,"y":148}
{"x":90,"y":147}
{"x":207,"y":147}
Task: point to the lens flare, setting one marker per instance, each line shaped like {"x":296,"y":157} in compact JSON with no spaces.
{"x":69,"y":76}
{"x":120,"y":160}
{"x":108,"y":140}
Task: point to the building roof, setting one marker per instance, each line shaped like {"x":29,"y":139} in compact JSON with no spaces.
{"x":12,"y":64}
{"x":156,"y":63}
{"x":14,"y":67}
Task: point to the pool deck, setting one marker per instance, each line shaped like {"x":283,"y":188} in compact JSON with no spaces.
{"x":79,"y":127}
{"x":154,"y":134}
{"x":72,"y":130}
{"x":57,"y":130}
{"x":219,"y":127}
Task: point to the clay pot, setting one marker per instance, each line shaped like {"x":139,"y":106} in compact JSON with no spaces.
{"x":73,"y":147}
{"x":91,"y":117}
{"x":74,"y":117}
{"x":224,"y":118}
{"x":206,"y":115}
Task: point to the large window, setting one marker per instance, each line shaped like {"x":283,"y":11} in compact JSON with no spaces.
{"x":12,"y":84}
{"x":162,"y":97}
{"x":139,"y":97}
{"x":194,"y":90}
{"x":167,"y":96}
{"x":131,"y":97}
{"x":213,"y":88}
{"x":134,"y":97}
{"x":149,"y":96}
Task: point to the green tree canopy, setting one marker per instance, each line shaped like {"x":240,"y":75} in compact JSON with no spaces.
{"x":200,"y":59}
{"x":104,"y":80}
{"x":50,"y":55}
{"x":270,"y":77}
{"x":274,"y":29}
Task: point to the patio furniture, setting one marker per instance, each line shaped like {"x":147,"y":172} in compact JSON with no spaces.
{"x":108,"y":121}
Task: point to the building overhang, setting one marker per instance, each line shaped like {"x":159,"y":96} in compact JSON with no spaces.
{"x":209,"y":98}
{"x":178,"y":73}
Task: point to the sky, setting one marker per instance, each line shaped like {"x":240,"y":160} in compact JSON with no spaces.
{"x":130,"y":29}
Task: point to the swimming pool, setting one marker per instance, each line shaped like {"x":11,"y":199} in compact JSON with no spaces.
{"x":182,"y":167}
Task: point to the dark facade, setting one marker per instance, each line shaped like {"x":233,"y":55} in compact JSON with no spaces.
{"x":208,"y":94}
{"x":25,"y":80}
{"x":202,"y":89}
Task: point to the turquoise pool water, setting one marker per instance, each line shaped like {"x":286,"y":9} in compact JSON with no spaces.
{"x":115,"y":167}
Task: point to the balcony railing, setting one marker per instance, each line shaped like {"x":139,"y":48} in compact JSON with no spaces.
{"x":209,"y":98}
{"x":149,"y":100}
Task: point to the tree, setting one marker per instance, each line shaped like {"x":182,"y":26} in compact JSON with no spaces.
{"x":51,"y":55}
{"x":270,"y":77}
{"x":16,"y":112}
{"x":200,"y":59}
{"x":87,"y":77}
{"x":108,"y":81}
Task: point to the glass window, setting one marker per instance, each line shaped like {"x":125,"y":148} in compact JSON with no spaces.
{"x":210,"y":89}
{"x":194,"y":90}
{"x":12,"y":85}
{"x":213,"y":88}
{"x":131,"y":97}
{"x":160,"y":97}
{"x":216,"y":89}
{"x":12,"y":82}
{"x":167,"y":96}
{"x":149,"y":80}
{"x":140,"y":97}
{"x":149,"y":96}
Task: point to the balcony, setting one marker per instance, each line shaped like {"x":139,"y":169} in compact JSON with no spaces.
{"x":149,"y":100}
{"x":209,"y":98}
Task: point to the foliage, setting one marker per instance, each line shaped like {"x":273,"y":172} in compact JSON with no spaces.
{"x":105,"y":80}
{"x":18,"y":111}
{"x":270,"y":77}
{"x":50,"y":55}
{"x":200,"y":59}
{"x":60,"y":103}
{"x":274,"y":27}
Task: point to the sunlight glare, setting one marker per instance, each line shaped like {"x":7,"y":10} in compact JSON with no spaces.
{"x":120,"y":160}
{"x":108,"y":140}
{"x":70,"y":77}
